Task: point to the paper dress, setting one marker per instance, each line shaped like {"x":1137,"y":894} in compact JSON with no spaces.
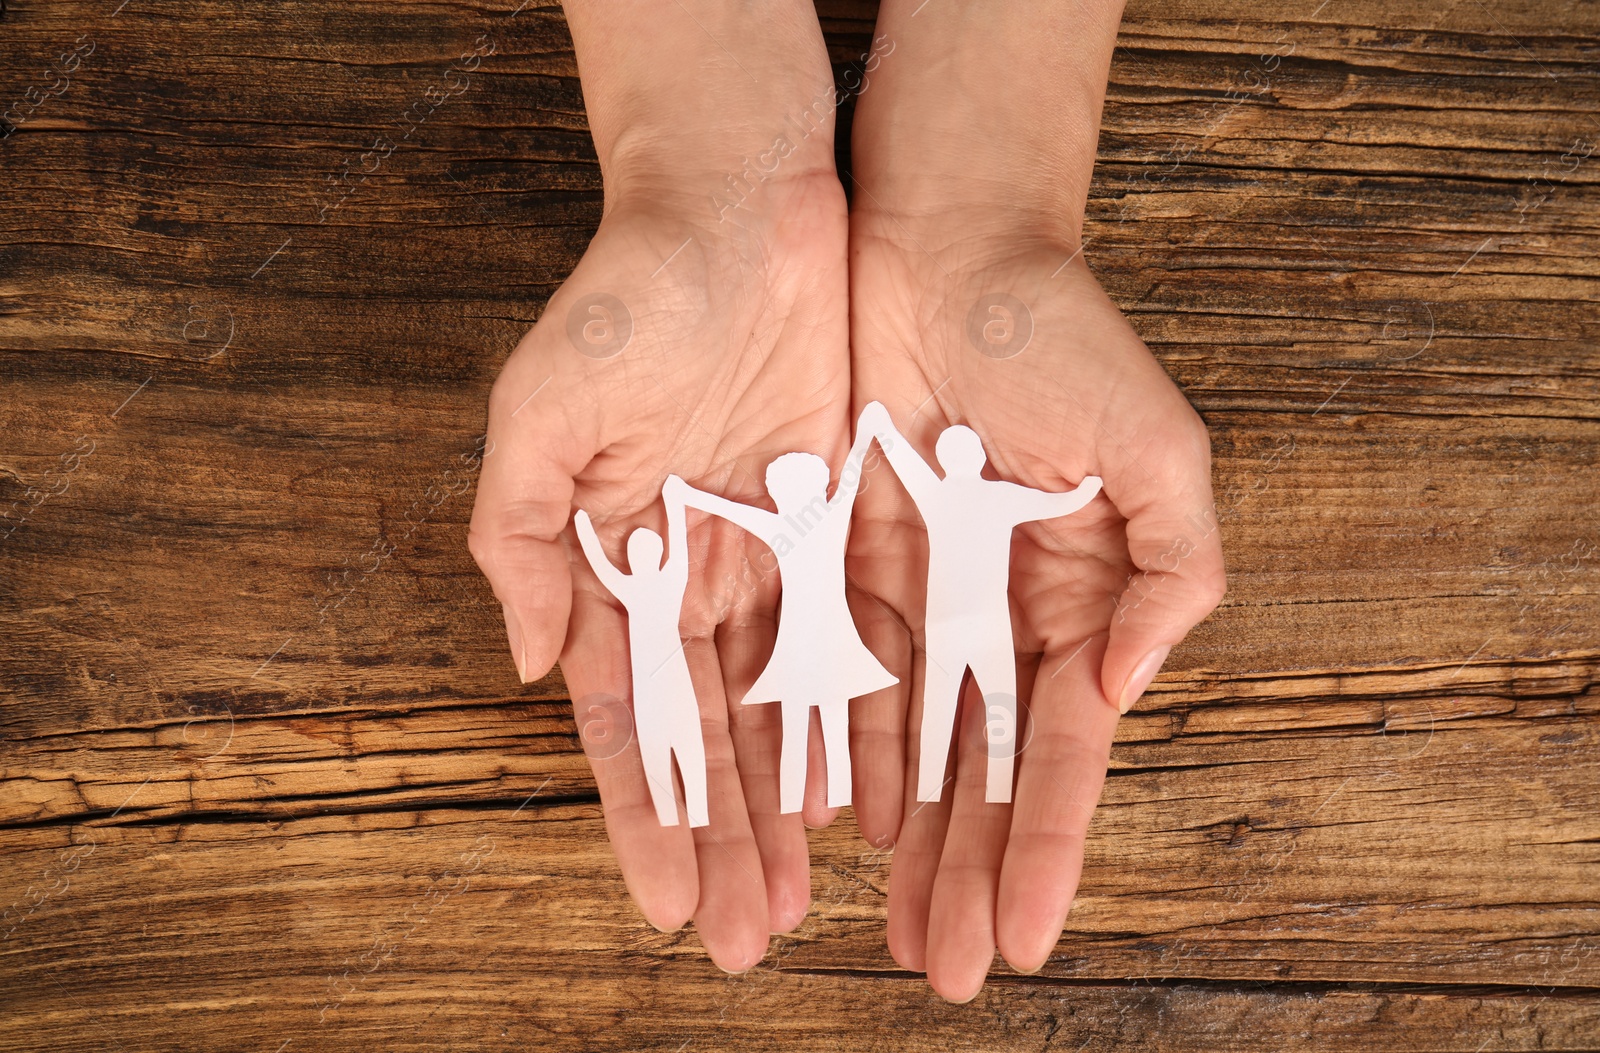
{"x":666,"y":717}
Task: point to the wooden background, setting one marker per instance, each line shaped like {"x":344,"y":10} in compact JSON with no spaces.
{"x":268,"y":781}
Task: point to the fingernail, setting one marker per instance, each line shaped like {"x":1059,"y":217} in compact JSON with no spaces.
{"x":1140,"y":678}
{"x":519,"y":647}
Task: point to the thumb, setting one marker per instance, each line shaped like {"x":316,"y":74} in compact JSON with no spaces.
{"x":1176,"y":549}
{"x":524,"y":502}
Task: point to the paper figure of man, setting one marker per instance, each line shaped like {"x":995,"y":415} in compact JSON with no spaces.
{"x":818,"y":659}
{"x":969,"y":520}
{"x":666,"y":717}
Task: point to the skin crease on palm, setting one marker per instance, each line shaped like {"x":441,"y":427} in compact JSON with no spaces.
{"x":755,"y":333}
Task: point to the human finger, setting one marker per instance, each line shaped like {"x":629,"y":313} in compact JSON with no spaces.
{"x":744,"y":644}
{"x":961,"y":939}
{"x":1059,"y":781}
{"x":917,"y":850}
{"x":1173,"y":541}
{"x":532,"y":454}
{"x":732,"y":912}
{"x":658,"y":862}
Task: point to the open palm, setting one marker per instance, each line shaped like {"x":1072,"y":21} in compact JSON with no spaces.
{"x":702,"y":348}
{"x":1015,"y":338}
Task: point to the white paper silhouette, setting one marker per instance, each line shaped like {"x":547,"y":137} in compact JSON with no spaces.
{"x":969,"y":520}
{"x":818,"y":658}
{"x":666,"y":717}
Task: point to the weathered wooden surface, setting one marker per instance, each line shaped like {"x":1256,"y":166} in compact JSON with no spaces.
{"x":267,"y":781}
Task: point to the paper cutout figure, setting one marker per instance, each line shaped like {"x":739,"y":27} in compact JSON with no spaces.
{"x":818,"y":658}
{"x":666,"y":717}
{"x":969,"y":521}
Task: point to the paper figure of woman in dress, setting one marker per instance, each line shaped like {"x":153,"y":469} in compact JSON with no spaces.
{"x":818,"y":658}
{"x":969,"y":520}
{"x":666,"y":717}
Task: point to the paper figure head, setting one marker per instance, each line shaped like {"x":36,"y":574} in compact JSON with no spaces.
{"x":644,"y":550}
{"x":796,"y":480}
{"x":960,"y":452}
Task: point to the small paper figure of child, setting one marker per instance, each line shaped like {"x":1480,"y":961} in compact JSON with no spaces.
{"x":666,"y":717}
{"x":818,"y":658}
{"x":969,"y":521}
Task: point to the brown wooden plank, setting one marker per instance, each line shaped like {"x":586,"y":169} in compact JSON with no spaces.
{"x":422,"y":930}
{"x":1349,"y":844}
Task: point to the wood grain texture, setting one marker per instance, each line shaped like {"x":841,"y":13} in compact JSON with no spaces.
{"x":267,"y":780}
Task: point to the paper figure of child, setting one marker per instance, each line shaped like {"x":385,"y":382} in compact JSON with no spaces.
{"x":818,"y":658}
{"x":969,"y":520}
{"x":666,"y":717}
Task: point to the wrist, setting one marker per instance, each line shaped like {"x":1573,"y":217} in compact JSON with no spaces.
{"x":702,"y":97}
{"x":717,"y":173}
{"x":986,"y":119}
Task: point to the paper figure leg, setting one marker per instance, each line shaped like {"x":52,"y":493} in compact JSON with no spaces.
{"x":941,"y":692}
{"x":656,"y":752}
{"x":836,"y":741}
{"x":792,"y":761}
{"x":691,"y":753}
{"x":995,"y":670}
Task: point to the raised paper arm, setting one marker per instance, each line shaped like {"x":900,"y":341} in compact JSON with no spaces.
{"x":608,"y":574}
{"x":677,"y":565}
{"x":920,"y":481}
{"x":850,"y":475}
{"x":761,"y":523}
